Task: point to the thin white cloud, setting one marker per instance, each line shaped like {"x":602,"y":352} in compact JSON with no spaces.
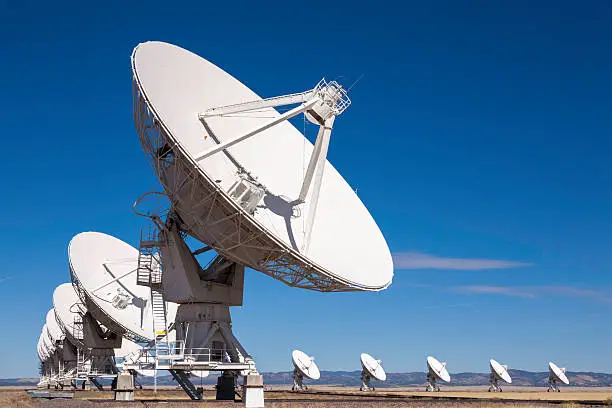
{"x":602,"y":296}
{"x":494,"y":290}
{"x":419,"y":260}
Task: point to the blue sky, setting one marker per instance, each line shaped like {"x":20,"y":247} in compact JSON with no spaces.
{"x":478,"y":137}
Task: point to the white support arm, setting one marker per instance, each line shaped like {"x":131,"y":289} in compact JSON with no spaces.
{"x":115,"y":279}
{"x":312,"y":164}
{"x":261,"y":104}
{"x":228,"y":143}
{"x":319,"y":164}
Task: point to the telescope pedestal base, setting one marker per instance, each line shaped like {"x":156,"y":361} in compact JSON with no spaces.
{"x":495,"y":388}
{"x":431,"y":384}
{"x":298,"y":381}
{"x":494,"y":384}
{"x":552,"y":386}
{"x":124,"y":390}
{"x":226,"y":387}
{"x":366,"y":382}
{"x":253,"y":391}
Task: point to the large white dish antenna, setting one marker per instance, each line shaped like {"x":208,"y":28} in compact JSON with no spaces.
{"x":41,"y":352}
{"x":44,"y":344}
{"x":47,"y":345}
{"x":128,"y":348}
{"x":373,"y":366}
{"x":500,"y":371}
{"x":305,"y":365}
{"x":558,"y":373}
{"x":438,"y":369}
{"x":346,"y":250}
{"x":53,"y":329}
{"x":103,"y":271}
{"x":38,"y":349}
{"x":68,"y":310}
{"x":199,"y":373}
{"x":129,"y":352}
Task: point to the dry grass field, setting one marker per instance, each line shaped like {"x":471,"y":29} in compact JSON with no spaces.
{"x":336,"y":397}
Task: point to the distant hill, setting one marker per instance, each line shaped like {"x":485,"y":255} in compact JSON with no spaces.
{"x":352,"y":379}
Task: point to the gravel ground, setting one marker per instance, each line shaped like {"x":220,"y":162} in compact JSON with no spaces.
{"x":19,"y":399}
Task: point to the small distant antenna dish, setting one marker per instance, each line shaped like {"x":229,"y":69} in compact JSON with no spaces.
{"x":303,"y":366}
{"x":498,"y":372}
{"x":436,"y":371}
{"x":556,"y":375}
{"x":371,"y":368}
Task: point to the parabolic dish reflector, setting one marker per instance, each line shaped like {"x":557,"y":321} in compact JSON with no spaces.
{"x":305,"y":365}
{"x":438,"y":369}
{"x":500,"y":371}
{"x":68,"y":308}
{"x":47,"y":346}
{"x":558,"y":372}
{"x":346,"y":249}
{"x":128,"y":348}
{"x":103,"y":270}
{"x":199,"y":373}
{"x":42,"y":346}
{"x":53,"y":329}
{"x":41,"y":354}
{"x":129,"y":352}
{"x":373,"y":366}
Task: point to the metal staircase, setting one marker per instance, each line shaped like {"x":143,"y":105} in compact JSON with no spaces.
{"x":183,"y":379}
{"x":159,"y":321}
{"x":149,"y":271}
{"x":81,"y":368}
{"x":149,"y":274}
{"x":77,"y":327}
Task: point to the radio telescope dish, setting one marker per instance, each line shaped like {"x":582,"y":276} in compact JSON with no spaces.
{"x":68,"y":310}
{"x":250,"y":198}
{"x":555,"y":375}
{"x":436,"y":371}
{"x":38,"y":350}
{"x":130,"y":352}
{"x":303,"y":366}
{"x":42,"y":352}
{"x":103,"y":270}
{"x":371,"y":368}
{"x":199,"y":373}
{"x":498,"y":372}
{"x":44,"y":344}
{"x":48,"y":346}
{"x":54,"y":331}
{"x":128,"y":348}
